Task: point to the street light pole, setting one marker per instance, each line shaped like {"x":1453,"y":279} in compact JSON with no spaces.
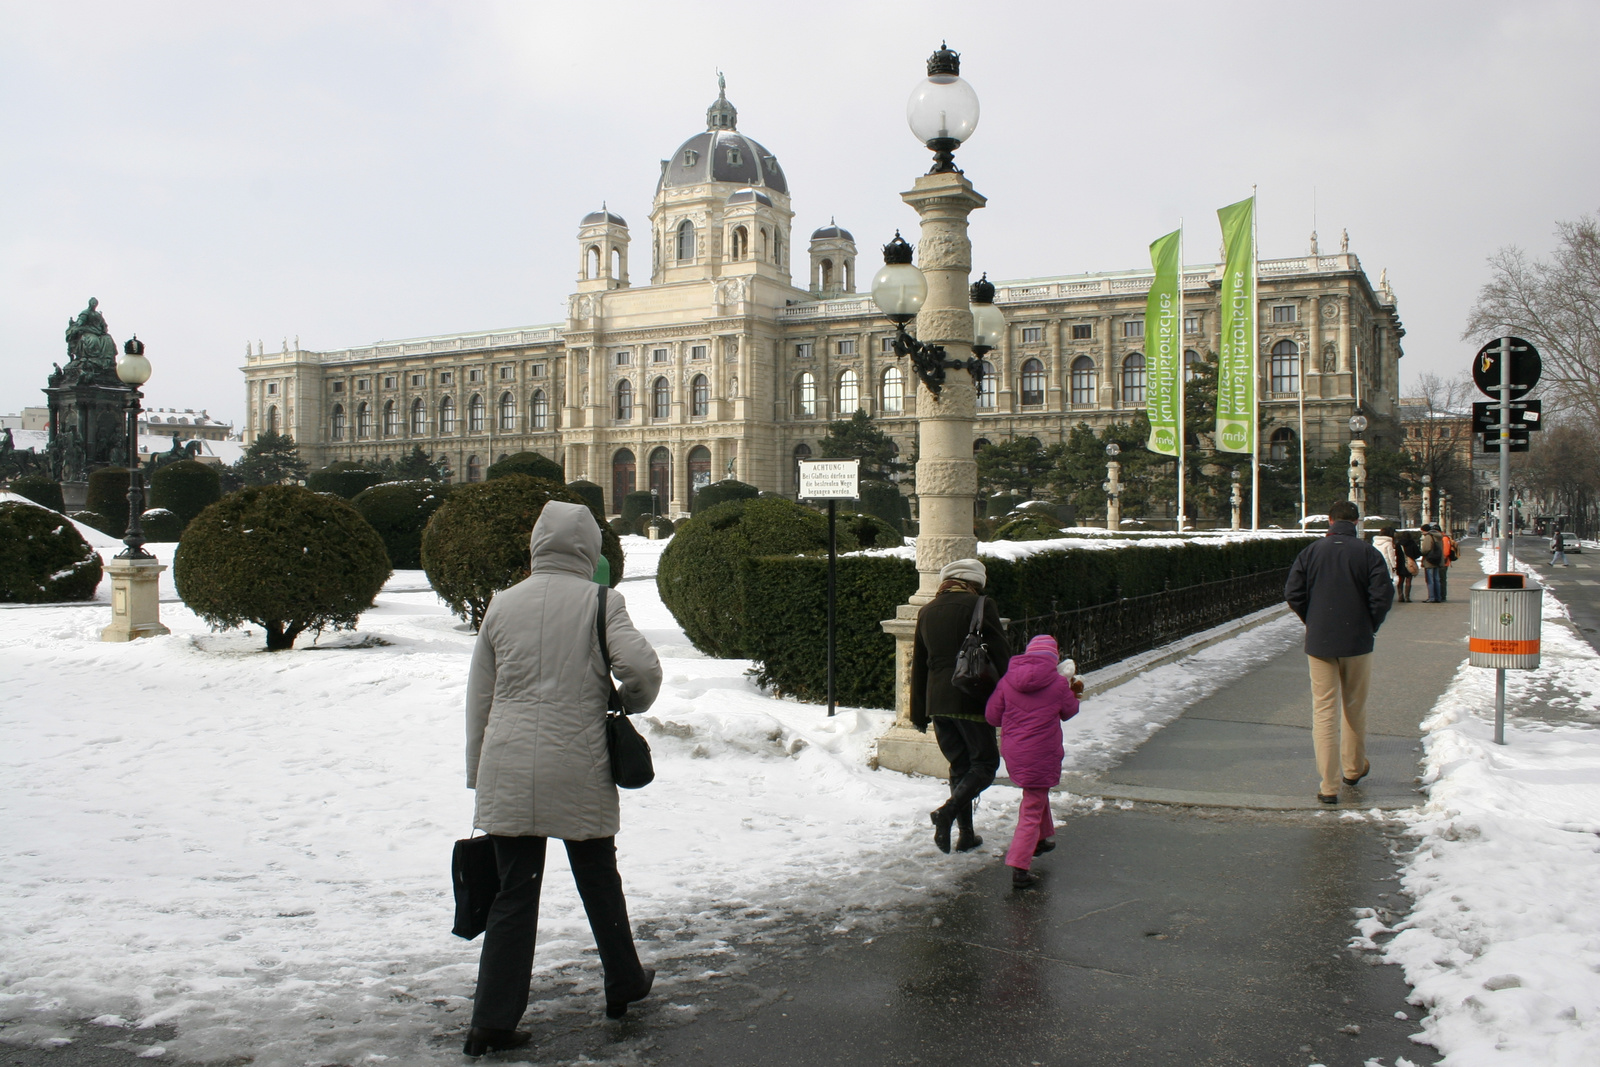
{"x":1238,"y":501}
{"x":1427,"y":498}
{"x":135,"y":573}
{"x":1113,"y":488}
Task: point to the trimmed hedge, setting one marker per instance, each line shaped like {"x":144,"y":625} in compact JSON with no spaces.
{"x":720,"y":493}
{"x":185,"y":488}
{"x":871,"y":531}
{"x":342,"y":478}
{"x":637,"y":505}
{"x":476,"y":544}
{"x":1028,"y":526}
{"x":885,"y":500}
{"x":400,"y":511}
{"x":592,"y":494}
{"x":95,"y":520}
{"x":108,"y":496}
{"x":284,"y":557}
{"x":43,"y":558}
{"x":661,"y":524}
{"x":160,"y":526}
{"x":40,"y":490}
{"x":533,"y":464}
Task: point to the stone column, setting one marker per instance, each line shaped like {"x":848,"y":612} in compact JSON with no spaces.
{"x":947,"y":475}
{"x":135,"y":600}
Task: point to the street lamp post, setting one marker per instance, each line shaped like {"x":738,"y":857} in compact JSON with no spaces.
{"x":951,"y":324}
{"x":1237,"y":498}
{"x":1358,"y":465}
{"x":1427,"y":498}
{"x":1113,"y":488}
{"x":135,"y":573}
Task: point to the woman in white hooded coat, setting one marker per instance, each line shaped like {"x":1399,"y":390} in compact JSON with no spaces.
{"x":537,"y":757}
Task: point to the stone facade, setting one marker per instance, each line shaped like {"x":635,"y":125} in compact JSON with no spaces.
{"x":722,"y":365}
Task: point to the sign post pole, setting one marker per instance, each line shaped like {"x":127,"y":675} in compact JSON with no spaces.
{"x":832,"y":480}
{"x":1505,"y":544}
{"x":833,"y":563}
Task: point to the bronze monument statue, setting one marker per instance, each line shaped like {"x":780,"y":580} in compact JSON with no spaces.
{"x":88,"y":405}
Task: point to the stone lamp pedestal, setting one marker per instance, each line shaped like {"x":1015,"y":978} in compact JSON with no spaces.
{"x":947,"y":475}
{"x":135,"y":600}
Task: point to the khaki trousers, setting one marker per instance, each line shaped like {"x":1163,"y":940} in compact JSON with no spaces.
{"x":1338,"y":750}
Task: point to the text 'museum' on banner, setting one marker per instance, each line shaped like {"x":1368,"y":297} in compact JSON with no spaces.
{"x":1236,"y":370}
{"x":1163,"y":315}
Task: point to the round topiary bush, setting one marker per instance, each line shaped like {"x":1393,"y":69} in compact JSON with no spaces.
{"x":1029,"y":526}
{"x":476,"y":544}
{"x":185,"y":488}
{"x":699,"y":575}
{"x":96,"y":521}
{"x":637,"y":505}
{"x":283,"y":557}
{"x":885,"y":500}
{"x":592,"y":494}
{"x":720,"y":493}
{"x":342,"y":478}
{"x":400,"y":511}
{"x":160,"y":525}
{"x":870,"y":531}
{"x":108,"y":496}
{"x":662,"y":525}
{"x":532,"y":464}
{"x":40,"y":490}
{"x":624,"y":527}
{"x":1002,"y":504}
{"x":43,"y":558}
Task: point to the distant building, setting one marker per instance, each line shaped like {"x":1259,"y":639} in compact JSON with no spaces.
{"x":30,"y":419}
{"x":187,"y":423}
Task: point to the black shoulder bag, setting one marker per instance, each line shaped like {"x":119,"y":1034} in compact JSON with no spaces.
{"x":975,"y":674}
{"x":476,"y":880}
{"x":631,"y":766}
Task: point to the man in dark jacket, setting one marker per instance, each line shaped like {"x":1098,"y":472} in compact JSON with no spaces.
{"x":1341,"y":589}
{"x":965,"y":736}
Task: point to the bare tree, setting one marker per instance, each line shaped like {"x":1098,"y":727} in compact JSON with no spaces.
{"x":1439,"y":410}
{"x":1556,"y":305}
{"x":1560,"y":476}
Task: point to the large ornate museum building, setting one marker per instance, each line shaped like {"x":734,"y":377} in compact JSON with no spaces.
{"x":722,"y":365}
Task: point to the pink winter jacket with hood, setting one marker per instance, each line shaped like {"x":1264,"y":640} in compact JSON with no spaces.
{"x":1029,"y":705}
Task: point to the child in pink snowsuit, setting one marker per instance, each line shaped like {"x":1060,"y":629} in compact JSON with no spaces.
{"x":1029,"y":705}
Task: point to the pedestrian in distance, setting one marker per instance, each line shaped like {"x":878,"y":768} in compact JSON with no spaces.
{"x":1449,"y":552}
{"x":1432,"y":547}
{"x":1558,"y":550}
{"x":1029,"y":705}
{"x":1384,"y":542}
{"x":1407,"y":552}
{"x":964,"y":735}
{"x":1340,"y":588}
{"x":538,"y":759}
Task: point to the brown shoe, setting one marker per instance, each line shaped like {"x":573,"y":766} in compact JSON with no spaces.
{"x":1364,"y":772}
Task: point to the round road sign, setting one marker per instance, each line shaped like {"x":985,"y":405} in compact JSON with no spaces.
{"x":1525,"y":367}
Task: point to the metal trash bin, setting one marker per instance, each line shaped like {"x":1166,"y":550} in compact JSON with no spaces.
{"x":1506,"y":614}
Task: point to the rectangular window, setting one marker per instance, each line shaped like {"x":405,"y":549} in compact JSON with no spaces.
{"x":363,"y":384}
{"x":272,"y":388}
{"x":1191,"y":324}
{"x":658,"y":355}
{"x":338,"y":387}
{"x":475,"y":374}
{"x":1284,"y":313}
{"x":505,"y":374}
{"x":624,"y":357}
{"x":802,"y":350}
{"x":1133,"y":328}
{"x":697,"y":352}
{"x":1032,"y":335}
{"x":847,"y":347}
{"x":888,"y":344}
{"x":446,"y":377}
{"x":388,"y":381}
{"x":416,"y":379}
{"x":1082,"y":331}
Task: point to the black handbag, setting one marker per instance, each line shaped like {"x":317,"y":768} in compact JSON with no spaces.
{"x":476,"y":879}
{"x":975,"y":673}
{"x":631,"y":765}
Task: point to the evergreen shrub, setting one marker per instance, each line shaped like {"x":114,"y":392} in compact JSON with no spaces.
{"x":476,"y":544}
{"x":283,"y":557}
{"x":160,"y":526}
{"x":871,"y":531}
{"x":532,"y":464}
{"x":108,"y":496}
{"x":343,"y":479}
{"x":96,"y":521}
{"x":592,"y":494}
{"x":699,"y":576}
{"x":1028,"y":525}
{"x":637,"y":505}
{"x":400,"y":511}
{"x":623,"y":527}
{"x":661,"y":524}
{"x":40,"y":490}
{"x":185,"y":488}
{"x":720,"y":493}
{"x":885,"y":500}
{"x":43,"y":559}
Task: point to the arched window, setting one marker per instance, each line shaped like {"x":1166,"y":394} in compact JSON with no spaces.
{"x":777,"y":246}
{"x":685,"y":241}
{"x":1032,"y":382}
{"x":661,"y":398}
{"x":805,"y":389}
{"x":508,"y":411}
{"x":338,"y":422}
{"x":474,"y":469}
{"x":699,"y":396}
{"x":661,"y":476}
{"x":741,"y":243}
{"x":1282,"y":445}
{"x":272,"y":419}
{"x":419,"y":418}
{"x":894,"y":391}
{"x":801,"y":451}
{"x":762,"y":248}
{"x":980,"y":443}
{"x":475,"y":415}
{"x":624,"y":400}
{"x":1285,"y":367}
{"x":1190,"y":359}
{"x":826,"y":268}
{"x":986,"y":385}
{"x":539,"y":408}
{"x":849,"y":393}
{"x":591,"y":262}
{"x":699,"y":470}
{"x":616,"y":263}
{"x":363,"y":420}
{"x":623,"y":469}
{"x":1084,"y":385}
{"x":447,"y":416}
{"x":391,"y":419}
{"x":1133,"y":378}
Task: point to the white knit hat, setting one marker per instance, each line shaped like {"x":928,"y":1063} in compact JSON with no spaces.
{"x":968,"y":570}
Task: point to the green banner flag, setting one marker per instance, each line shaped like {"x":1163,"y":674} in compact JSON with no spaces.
{"x":1236,"y":369}
{"x":1164,"y":354}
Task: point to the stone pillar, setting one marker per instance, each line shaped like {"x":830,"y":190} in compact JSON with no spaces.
{"x":1113,"y":496}
{"x":135,"y":600}
{"x":947,"y":474}
{"x":1358,"y":475}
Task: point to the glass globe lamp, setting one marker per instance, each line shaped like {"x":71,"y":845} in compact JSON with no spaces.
{"x":132,"y":368}
{"x":943,"y":110}
{"x":899,"y":289}
{"x":988,"y":324}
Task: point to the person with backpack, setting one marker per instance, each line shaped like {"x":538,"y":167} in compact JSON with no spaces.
{"x":1448,"y":554}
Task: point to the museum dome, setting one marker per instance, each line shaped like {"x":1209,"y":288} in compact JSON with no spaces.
{"x":747,"y":195}
{"x":722,"y":154}
{"x":602,"y":217}
{"x":832,"y":229}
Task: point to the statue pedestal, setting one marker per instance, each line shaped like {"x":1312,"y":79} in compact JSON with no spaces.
{"x":903,"y":747}
{"x":135,"y":600}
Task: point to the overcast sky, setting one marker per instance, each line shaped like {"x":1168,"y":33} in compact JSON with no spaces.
{"x":346,"y":172}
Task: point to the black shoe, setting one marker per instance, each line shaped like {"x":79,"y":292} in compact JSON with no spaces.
{"x":1047,"y":845}
{"x":967,"y":840}
{"x":481,"y":1039}
{"x":942,"y":817}
{"x":1363,"y":774}
{"x":1326,"y":799}
{"x":616,"y":1009}
{"x":1021,"y":879}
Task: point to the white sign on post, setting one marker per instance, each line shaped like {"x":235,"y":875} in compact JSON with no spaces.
{"x":830,"y":479}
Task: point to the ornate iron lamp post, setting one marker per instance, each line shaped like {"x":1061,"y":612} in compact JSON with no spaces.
{"x":1235,"y":497}
{"x":135,"y":573}
{"x":1358,"y":464}
{"x":1113,"y":488}
{"x":900,"y":290}
{"x":134,"y":370}
{"x":943,"y":111}
{"x":1427,"y":498}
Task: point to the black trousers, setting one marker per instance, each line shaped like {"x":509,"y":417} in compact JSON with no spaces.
{"x":973,"y":750}
{"x":506,"y":966}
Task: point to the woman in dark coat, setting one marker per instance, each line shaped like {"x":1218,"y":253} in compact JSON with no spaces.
{"x":965,"y":736}
{"x":1406,"y":548}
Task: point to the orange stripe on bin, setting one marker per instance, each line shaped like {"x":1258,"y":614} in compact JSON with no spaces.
{"x":1504,"y":648}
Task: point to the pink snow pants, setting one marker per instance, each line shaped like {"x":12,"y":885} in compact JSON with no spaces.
{"x":1033,"y":826}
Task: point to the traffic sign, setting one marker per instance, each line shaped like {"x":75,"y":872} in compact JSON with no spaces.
{"x":1526,"y":415}
{"x":1525,"y":366}
{"x":1518,"y":441}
